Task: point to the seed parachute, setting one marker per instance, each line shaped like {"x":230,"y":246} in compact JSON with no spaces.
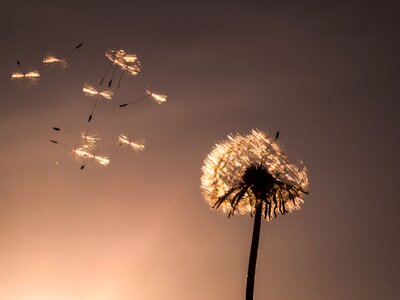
{"x":52,"y":60}
{"x":135,"y":145}
{"x":159,"y":98}
{"x":128,"y":63}
{"x":84,"y":155}
{"x":88,"y":139}
{"x":31,"y":77}
{"x":89,"y":90}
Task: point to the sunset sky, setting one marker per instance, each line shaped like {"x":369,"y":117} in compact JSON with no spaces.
{"x":326,"y":76}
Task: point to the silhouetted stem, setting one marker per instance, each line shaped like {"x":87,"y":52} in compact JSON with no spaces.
{"x":251,"y":271}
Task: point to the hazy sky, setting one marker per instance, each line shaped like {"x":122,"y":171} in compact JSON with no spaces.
{"x":326,"y":75}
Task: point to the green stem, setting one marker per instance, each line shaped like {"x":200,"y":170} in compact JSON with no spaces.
{"x":251,"y":271}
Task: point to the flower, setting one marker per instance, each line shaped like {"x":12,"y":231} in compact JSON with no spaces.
{"x":245,"y":173}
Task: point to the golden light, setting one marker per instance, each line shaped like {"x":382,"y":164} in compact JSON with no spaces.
{"x":54,"y":60}
{"x":156,"y":97}
{"x":136,"y":146}
{"x":92,"y":91}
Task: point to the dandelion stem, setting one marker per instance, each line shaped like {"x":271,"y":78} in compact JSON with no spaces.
{"x":251,"y":271}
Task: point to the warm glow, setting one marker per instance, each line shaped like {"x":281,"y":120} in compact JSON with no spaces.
{"x":224,"y":172}
{"x":32,"y":77}
{"x":29,"y":75}
{"x":157,"y":97}
{"x":17,"y":75}
{"x":52,"y":60}
{"x":84,"y":155}
{"x":90,"y":139}
{"x":130,"y":58}
{"x":127,"y":62}
{"x":137,"y":145}
{"x":91,"y":91}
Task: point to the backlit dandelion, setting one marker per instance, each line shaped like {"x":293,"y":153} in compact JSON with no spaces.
{"x":52,"y":60}
{"x":84,"y":155}
{"x":31,"y":77}
{"x":135,"y":145}
{"x":159,"y":98}
{"x":251,"y":174}
{"x":89,"y":90}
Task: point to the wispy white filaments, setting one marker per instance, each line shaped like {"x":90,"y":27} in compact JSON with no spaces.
{"x":159,"y":98}
{"x":52,"y":60}
{"x":137,"y":146}
{"x":89,"y":90}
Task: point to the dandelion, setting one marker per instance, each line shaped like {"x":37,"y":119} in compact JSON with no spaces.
{"x":159,"y":98}
{"x":128,"y":63}
{"x":251,"y":174}
{"x":51,"y":60}
{"x":89,"y":90}
{"x":31,"y":77}
{"x":84,"y":155}
{"x":135,"y":145}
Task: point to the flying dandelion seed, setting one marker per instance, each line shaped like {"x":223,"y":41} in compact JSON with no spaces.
{"x":89,"y":90}
{"x":89,"y":139}
{"x":31,"y":77}
{"x":128,"y":63}
{"x":82,"y":160}
{"x":135,"y":145}
{"x":251,"y":174}
{"x":84,"y":155}
{"x":148,"y":94}
{"x":51,"y":60}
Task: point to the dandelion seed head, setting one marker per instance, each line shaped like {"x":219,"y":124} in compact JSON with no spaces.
{"x":244,"y":172}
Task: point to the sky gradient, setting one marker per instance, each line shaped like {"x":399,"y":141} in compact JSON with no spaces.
{"x":326,"y":76}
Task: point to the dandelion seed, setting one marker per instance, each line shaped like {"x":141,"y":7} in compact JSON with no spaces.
{"x":251,"y":174}
{"x":31,"y":77}
{"x":89,"y":139}
{"x":87,"y":155}
{"x":128,"y":63}
{"x":135,"y":145}
{"x":148,"y":94}
{"x":157,"y":97}
{"x":91,"y":91}
{"x":51,"y":60}
{"x":84,"y":155}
